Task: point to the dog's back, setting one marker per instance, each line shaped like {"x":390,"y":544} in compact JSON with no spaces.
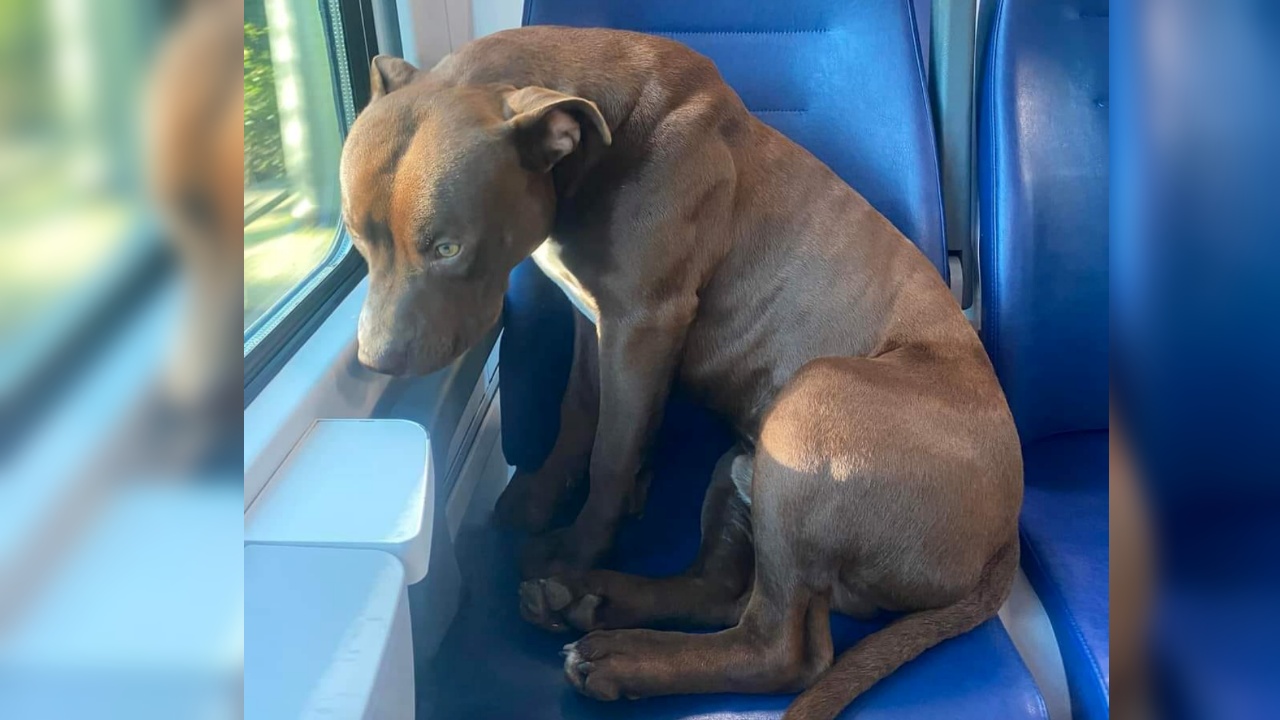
{"x":783,"y":245}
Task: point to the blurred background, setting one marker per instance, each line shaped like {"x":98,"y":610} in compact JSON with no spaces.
{"x":72,"y":214}
{"x":1195,"y":229}
{"x":120,"y":558}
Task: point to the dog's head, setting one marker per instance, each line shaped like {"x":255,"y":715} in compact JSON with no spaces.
{"x":444,"y":190}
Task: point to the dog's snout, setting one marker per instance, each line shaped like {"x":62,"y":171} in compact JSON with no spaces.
{"x":376,"y":346}
{"x":384,"y":359}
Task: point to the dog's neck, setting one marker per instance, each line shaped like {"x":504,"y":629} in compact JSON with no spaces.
{"x":525,"y":61}
{"x":629,"y":94}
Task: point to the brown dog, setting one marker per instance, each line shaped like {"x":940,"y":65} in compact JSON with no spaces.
{"x":879,"y":466}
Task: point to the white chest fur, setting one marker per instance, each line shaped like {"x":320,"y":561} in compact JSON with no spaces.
{"x":548,"y":258}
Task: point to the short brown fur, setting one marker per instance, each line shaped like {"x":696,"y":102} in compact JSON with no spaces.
{"x":878,"y":466}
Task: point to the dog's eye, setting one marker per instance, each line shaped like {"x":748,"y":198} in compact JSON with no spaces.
{"x":448,"y":249}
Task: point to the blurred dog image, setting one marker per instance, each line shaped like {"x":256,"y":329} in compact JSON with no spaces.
{"x":195,"y":123}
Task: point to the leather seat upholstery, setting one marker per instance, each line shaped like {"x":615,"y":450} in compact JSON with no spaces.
{"x":1043,"y":195}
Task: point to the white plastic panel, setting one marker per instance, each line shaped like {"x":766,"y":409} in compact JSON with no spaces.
{"x":327,"y":635}
{"x":352,"y":484}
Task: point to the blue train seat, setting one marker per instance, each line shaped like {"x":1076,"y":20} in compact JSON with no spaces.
{"x":1043,"y":196}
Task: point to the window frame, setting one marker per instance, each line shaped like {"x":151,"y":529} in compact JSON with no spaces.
{"x":274,"y":337}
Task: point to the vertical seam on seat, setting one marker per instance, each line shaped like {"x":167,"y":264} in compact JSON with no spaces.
{"x":992,"y":295}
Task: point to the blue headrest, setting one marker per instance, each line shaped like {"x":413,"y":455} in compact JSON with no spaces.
{"x":1043,"y":191}
{"x":843,"y":79}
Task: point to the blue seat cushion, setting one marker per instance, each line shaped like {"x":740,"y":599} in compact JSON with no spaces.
{"x":1065,"y":555}
{"x":534,"y":358}
{"x":494,"y":665}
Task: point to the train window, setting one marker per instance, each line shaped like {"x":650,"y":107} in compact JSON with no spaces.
{"x":291,"y":146}
{"x":305,"y":75}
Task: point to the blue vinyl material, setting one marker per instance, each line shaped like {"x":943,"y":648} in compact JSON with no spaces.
{"x":1065,"y":554}
{"x":1043,"y":196}
{"x":1043,"y":193}
{"x":534,"y":357}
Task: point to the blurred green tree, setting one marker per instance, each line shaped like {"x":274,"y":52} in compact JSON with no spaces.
{"x":24,"y":74}
{"x":263,"y":152}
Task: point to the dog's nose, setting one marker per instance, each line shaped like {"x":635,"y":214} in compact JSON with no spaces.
{"x":386,"y":360}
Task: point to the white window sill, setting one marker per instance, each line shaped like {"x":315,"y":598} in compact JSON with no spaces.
{"x":352,"y":484}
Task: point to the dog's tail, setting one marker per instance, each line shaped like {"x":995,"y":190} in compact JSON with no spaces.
{"x":882,"y":652}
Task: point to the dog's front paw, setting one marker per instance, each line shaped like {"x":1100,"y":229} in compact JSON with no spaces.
{"x":557,"y":604}
{"x":597,"y":665}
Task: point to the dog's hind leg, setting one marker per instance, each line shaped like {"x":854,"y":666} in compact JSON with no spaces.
{"x":534,"y":498}
{"x":858,"y":492}
{"x":711,"y":593}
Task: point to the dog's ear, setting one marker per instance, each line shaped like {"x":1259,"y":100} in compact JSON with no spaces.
{"x":388,"y":74}
{"x":548,"y":125}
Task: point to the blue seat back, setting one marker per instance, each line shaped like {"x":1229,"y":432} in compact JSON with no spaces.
{"x":843,"y":79}
{"x":1043,"y":196}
